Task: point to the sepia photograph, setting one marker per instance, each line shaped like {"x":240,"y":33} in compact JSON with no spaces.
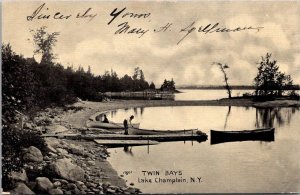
{"x":150,"y":97}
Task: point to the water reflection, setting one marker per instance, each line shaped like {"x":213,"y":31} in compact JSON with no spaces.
{"x":128,"y":150}
{"x":227,"y":115}
{"x":250,"y":166}
{"x":270,"y":117}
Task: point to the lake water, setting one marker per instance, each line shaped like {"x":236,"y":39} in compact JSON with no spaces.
{"x":250,"y":166}
{"x":204,"y":94}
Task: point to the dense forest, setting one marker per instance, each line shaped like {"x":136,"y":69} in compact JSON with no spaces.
{"x":29,"y":83}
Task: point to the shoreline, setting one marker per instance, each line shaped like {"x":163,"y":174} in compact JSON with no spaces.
{"x":89,"y":160}
{"x":89,"y":109}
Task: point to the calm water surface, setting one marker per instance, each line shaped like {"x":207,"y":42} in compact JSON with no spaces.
{"x":204,"y":94}
{"x":228,"y":167}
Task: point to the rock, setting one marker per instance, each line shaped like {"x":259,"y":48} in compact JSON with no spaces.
{"x":57,"y":184}
{"x":91,"y":163}
{"x":31,"y":184}
{"x":52,"y":154}
{"x":76,"y":191}
{"x":56,"y":129}
{"x":62,"y":151}
{"x":96,"y":190}
{"x":62,"y":181}
{"x":19,"y":176}
{"x":53,"y":142}
{"x":106,"y":184}
{"x":91,"y":185}
{"x":43,"y":184}
{"x":33,"y":154}
{"x":21,"y":189}
{"x":39,"y":128}
{"x":28,"y":126}
{"x":71,"y":186}
{"x":51,"y":149}
{"x":47,"y":158}
{"x":79,"y":184}
{"x":55,"y":191}
{"x":110,"y":191}
{"x":76,"y":150}
{"x":65,"y":169}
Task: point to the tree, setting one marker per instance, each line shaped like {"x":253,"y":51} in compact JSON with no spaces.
{"x":222,"y":68}
{"x":44,"y":43}
{"x":269,"y":81}
{"x":168,"y":85}
{"x":152,"y":85}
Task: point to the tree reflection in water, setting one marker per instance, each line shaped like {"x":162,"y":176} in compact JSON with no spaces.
{"x":271,"y":117}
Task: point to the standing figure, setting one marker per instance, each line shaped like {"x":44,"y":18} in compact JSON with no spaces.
{"x":125,"y":123}
{"x":105,"y":120}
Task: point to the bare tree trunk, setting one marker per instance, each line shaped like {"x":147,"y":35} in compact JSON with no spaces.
{"x":226,"y":82}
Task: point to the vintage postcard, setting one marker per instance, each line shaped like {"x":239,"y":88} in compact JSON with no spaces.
{"x":151,"y":97}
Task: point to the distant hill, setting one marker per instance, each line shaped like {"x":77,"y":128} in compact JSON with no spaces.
{"x":295,"y":87}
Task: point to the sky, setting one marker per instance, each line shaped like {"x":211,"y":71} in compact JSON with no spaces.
{"x":92,"y":42}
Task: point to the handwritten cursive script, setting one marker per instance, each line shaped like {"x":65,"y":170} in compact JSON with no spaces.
{"x":213,"y":29}
{"x":43,"y":13}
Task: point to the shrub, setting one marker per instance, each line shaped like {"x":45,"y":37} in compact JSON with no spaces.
{"x":14,"y":141}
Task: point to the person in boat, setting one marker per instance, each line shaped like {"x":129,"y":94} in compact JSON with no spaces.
{"x":130,"y":119}
{"x":125,"y":123}
{"x":105,"y":120}
{"x":98,"y":118}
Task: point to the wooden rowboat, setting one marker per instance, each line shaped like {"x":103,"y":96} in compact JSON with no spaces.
{"x":266,"y":134}
{"x":111,"y":125}
{"x":136,"y":131}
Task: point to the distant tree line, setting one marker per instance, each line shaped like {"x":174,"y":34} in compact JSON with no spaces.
{"x":42,"y":84}
{"x":28,"y":84}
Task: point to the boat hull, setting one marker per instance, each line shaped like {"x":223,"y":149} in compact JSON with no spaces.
{"x":111,"y":125}
{"x":246,"y":135}
{"x":136,"y":131}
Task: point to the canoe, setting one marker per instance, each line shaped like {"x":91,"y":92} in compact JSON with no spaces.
{"x":111,"y":125}
{"x":136,"y":131}
{"x":266,"y":134}
{"x":125,"y":142}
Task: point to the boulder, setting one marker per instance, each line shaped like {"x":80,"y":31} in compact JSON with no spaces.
{"x":65,"y":169}
{"x":33,"y":154}
{"x":61,"y":151}
{"x":55,"y":191}
{"x":43,"y":184}
{"x":76,"y":150}
{"x":57,"y":184}
{"x":19,"y":176}
{"x":51,"y":149}
{"x":21,"y":189}
{"x":56,"y":129}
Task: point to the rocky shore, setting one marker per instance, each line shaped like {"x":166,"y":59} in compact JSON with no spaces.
{"x":67,"y":166}
{"x":82,"y":167}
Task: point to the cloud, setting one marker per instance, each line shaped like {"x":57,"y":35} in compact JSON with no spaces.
{"x":95,"y":44}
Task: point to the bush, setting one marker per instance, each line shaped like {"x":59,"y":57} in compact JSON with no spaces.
{"x":14,"y":141}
